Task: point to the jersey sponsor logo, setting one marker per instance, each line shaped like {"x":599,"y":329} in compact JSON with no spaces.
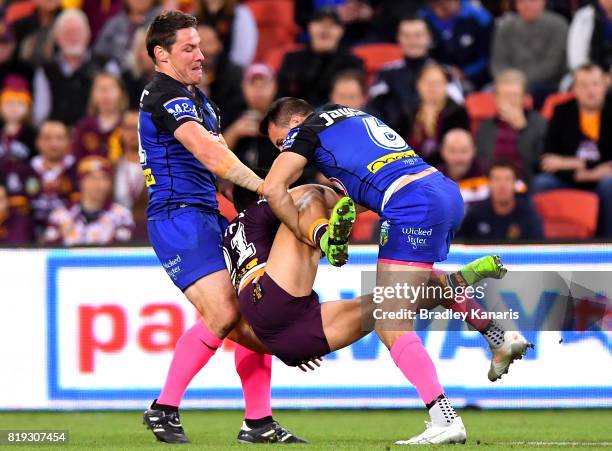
{"x":290,"y":139}
{"x":382,"y":135}
{"x":149,"y":177}
{"x":380,"y":162}
{"x":331,"y":116}
{"x":182,"y":107}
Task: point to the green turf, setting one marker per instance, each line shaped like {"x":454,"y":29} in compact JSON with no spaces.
{"x":327,"y":430}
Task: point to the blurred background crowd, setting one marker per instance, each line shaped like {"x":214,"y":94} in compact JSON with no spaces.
{"x":509,"y":98}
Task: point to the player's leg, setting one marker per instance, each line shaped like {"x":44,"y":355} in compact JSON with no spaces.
{"x":263,"y":428}
{"x":344,"y":321}
{"x":413,"y":360}
{"x":415,"y":230}
{"x":193,"y":351}
{"x":506,"y":345}
{"x":188,"y":248}
{"x":293,"y":264}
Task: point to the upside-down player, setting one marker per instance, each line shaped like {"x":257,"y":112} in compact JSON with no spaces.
{"x":274,"y":273}
{"x":420,"y":210}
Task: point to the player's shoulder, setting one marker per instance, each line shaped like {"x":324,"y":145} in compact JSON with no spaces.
{"x":162,"y":90}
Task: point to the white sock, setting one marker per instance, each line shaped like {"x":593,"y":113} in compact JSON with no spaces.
{"x":494,"y":334}
{"x":442,"y":412}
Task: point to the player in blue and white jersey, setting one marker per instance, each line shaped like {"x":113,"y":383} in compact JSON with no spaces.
{"x":181,"y":153}
{"x":420,"y":212}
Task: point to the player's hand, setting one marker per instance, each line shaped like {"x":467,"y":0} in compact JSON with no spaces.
{"x":311,"y":365}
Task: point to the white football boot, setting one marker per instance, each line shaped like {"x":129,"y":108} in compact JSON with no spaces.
{"x":437,"y":435}
{"x":514,"y":347}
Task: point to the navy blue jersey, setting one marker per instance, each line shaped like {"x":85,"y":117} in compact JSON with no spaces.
{"x":358,"y":152}
{"x":174,"y":177}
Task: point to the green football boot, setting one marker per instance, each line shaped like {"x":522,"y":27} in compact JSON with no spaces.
{"x":489,"y":266}
{"x":334,"y":242}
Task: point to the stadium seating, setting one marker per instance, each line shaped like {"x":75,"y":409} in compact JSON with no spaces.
{"x":276,"y":30}
{"x":481,"y":106}
{"x":274,"y":57}
{"x":364,"y":227}
{"x":552,"y":101}
{"x":375,"y":56}
{"x":226,"y":207}
{"x":568,"y":213}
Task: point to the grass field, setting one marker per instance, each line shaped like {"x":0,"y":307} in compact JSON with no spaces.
{"x":327,"y":430}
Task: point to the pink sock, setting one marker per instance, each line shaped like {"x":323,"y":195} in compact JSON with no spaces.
{"x":255,"y":371}
{"x":468,"y":304}
{"x":412,"y":359}
{"x":193,"y":350}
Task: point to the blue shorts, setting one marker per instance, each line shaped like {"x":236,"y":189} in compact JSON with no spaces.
{"x":419,"y":221}
{"x":189,"y":245}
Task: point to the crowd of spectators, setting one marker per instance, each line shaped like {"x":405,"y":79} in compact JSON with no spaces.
{"x":72,"y":71}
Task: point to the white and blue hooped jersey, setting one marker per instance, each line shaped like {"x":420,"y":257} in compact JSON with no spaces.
{"x":358,"y":152}
{"x":174,"y":177}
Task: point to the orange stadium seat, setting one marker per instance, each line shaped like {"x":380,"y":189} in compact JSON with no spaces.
{"x":552,"y":101}
{"x":274,"y":57}
{"x":364,"y":227}
{"x":275,"y":24}
{"x":375,"y":56}
{"x":226,"y":208}
{"x":568,"y":213}
{"x":481,"y":106}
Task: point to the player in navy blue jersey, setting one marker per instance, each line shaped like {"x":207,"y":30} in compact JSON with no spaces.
{"x":420,"y":211}
{"x":181,"y":153}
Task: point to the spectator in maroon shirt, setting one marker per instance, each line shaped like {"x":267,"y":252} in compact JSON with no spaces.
{"x":9,"y":64}
{"x":15,"y":225}
{"x":51,"y":181}
{"x":95,"y":219}
{"x":98,"y":133}
{"x":98,"y":12}
{"x":435,"y":114}
{"x":515,"y":134}
{"x":16,"y":134}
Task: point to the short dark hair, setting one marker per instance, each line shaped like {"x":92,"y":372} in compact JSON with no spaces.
{"x":412,"y":18}
{"x":351,"y":75}
{"x":588,"y":67}
{"x":503,"y":163}
{"x":432,"y":65}
{"x":282,"y":110}
{"x":162,"y":30}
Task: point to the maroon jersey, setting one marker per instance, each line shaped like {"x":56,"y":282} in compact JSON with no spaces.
{"x":16,"y":228}
{"x":247,"y":242}
{"x":89,"y":140}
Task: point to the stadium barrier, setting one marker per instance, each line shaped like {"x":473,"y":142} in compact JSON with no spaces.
{"x":95,"y":328}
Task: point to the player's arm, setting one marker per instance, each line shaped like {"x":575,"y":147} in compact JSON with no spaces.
{"x":285,"y":170}
{"x":215,"y":155}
